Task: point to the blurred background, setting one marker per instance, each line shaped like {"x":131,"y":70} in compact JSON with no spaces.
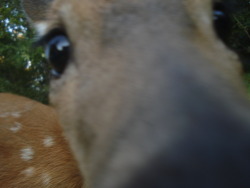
{"x":23,"y":69}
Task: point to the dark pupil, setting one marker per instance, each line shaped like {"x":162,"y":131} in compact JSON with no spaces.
{"x":57,"y":53}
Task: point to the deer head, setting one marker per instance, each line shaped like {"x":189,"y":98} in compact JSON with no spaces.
{"x":147,"y":94}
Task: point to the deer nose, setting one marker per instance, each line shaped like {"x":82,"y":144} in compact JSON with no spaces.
{"x":200,"y":160}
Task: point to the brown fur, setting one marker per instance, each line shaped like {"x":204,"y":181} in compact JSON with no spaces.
{"x":37,"y":122}
{"x":150,"y":97}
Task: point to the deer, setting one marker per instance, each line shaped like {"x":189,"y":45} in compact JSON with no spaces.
{"x":34,"y":150}
{"x":147,"y":93}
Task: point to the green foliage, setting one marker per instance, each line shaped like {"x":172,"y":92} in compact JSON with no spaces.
{"x":247,"y":82}
{"x":22,"y":67}
{"x":240,"y":35}
{"x":239,"y":38}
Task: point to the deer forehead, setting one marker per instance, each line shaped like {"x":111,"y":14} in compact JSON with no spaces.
{"x":81,"y":17}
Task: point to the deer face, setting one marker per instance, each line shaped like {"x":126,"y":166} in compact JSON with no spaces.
{"x":146,"y":92}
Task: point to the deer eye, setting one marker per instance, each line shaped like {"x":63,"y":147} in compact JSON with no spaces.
{"x":57,"y":51}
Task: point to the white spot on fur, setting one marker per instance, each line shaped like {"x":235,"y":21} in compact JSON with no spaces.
{"x":46,"y":178}
{"x":8,"y":114}
{"x":16,"y":114}
{"x":41,"y":28}
{"x":48,"y":141}
{"x":29,"y":171}
{"x":16,"y":127}
{"x":27,"y":154}
{"x":4,"y":115}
